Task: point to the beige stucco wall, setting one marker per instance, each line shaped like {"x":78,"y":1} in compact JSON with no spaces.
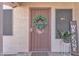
{"x":19,"y":42}
{"x":77,"y":19}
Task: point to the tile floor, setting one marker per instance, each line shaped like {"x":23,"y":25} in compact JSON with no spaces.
{"x":38,"y":54}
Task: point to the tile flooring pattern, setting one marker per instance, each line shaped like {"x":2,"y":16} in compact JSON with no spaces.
{"x":38,"y":54}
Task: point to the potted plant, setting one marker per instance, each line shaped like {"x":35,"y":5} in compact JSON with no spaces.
{"x":65,"y":36}
{"x":65,"y":40}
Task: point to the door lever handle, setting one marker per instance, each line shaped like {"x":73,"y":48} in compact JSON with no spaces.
{"x":31,"y":30}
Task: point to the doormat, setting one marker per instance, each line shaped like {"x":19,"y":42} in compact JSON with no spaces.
{"x":39,"y":54}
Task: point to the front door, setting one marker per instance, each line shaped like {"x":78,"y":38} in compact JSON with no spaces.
{"x":40,"y":29}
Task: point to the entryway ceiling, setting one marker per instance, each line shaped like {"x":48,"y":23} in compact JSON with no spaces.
{"x":17,"y":4}
{"x":13,"y":4}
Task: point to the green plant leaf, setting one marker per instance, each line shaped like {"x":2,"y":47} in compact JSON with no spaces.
{"x":64,"y":35}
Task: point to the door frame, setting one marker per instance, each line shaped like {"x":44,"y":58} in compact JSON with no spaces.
{"x":30,"y":41}
{"x":73,"y":17}
{"x":55,"y":17}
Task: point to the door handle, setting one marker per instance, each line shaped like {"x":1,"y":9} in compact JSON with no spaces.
{"x":31,"y":29}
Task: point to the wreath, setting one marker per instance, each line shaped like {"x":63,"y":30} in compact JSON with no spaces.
{"x":40,"y":22}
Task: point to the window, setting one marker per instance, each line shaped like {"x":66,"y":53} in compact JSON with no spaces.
{"x":7,"y":22}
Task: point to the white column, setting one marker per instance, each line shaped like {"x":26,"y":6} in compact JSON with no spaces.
{"x":1,"y":39}
{"x":53,"y":29}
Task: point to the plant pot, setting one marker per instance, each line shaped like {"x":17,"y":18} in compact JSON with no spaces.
{"x":66,"y":40}
{"x":65,"y":46}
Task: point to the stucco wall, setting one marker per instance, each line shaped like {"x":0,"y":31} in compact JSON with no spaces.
{"x":77,"y":19}
{"x":19,"y":42}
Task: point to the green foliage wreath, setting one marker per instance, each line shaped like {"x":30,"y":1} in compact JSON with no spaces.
{"x":43,"y":19}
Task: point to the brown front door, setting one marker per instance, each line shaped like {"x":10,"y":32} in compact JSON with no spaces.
{"x":40,"y":40}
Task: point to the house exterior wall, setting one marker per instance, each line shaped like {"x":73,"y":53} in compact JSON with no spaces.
{"x":77,"y":19}
{"x":19,"y":42}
